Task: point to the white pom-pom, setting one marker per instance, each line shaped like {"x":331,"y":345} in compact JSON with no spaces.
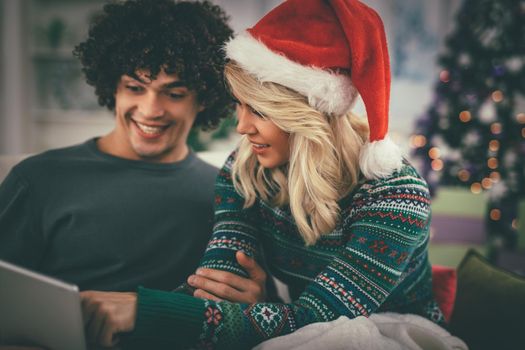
{"x":379,"y":159}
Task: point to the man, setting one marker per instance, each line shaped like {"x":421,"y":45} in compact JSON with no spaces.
{"x":135,"y":206}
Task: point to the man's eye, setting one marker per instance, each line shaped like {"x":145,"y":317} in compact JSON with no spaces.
{"x":134,"y":88}
{"x":175,"y":96}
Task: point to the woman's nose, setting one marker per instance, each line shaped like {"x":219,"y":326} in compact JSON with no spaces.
{"x":244,"y":121}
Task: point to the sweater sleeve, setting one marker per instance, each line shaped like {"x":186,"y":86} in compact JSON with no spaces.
{"x":384,"y":229}
{"x":20,"y":240}
{"x":235,"y":227}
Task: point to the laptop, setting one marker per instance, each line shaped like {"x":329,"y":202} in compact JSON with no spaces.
{"x":39,"y":310}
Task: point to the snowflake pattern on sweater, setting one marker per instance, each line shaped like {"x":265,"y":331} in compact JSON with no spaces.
{"x":375,"y":260}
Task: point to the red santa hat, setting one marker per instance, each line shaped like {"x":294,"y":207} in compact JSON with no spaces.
{"x":330,"y":51}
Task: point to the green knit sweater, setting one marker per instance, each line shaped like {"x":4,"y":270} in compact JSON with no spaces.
{"x":374,"y":260}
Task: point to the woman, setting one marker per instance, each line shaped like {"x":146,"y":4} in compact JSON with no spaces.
{"x":322,"y":199}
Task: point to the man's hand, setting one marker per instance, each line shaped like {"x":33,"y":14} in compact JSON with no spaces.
{"x":106,"y":314}
{"x":221,"y":285}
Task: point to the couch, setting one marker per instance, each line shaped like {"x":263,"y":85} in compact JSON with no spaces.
{"x":484,"y":304}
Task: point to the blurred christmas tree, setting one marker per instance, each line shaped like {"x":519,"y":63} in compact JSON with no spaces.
{"x":473,"y":134}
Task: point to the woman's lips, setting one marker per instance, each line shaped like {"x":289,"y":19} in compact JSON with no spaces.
{"x":259,"y":148}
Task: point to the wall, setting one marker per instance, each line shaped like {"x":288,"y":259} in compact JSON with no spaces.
{"x":32,"y":120}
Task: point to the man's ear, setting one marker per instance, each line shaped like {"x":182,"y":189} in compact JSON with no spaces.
{"x":201,"y":108}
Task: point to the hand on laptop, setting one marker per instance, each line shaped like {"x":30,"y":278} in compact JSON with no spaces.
{"x":107,"y":314}
{"x":221,"y":285}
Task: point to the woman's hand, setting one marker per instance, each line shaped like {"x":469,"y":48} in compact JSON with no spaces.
{"x":106,"y":314}
{"x":221,"y":285}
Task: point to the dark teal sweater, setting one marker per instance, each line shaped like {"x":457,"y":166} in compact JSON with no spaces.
{"x":104,"y":222}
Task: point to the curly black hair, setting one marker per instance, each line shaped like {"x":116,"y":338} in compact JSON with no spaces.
{"x":184,"y":38}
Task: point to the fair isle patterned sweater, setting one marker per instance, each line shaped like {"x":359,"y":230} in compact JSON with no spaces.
{"x":374,"y":261}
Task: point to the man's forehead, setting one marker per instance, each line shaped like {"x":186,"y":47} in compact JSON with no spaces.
{"x":162,"y":78}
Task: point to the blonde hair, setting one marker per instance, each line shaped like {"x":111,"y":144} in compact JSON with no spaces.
{"x":324,"y":153}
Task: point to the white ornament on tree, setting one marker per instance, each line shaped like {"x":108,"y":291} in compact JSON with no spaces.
{"x":454,"y":155}
{"x":442,"y":109}
{"x":464,"y":59}
{"x":438,"y":141}
{"x":498,"y":190}
{"x":519,"y":105}
{"x":487,"y":112}
{"x":510,"y":159}
{"x":489,"y":36}
{"x":514,"y":64}
{"x":471,"y":139}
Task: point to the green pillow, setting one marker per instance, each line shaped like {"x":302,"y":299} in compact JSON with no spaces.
{"x":489,"y":311}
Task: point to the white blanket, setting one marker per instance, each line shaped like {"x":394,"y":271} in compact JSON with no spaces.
{"x":383,"y":331}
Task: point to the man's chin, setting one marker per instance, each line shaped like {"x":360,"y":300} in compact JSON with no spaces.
{"x":151,"y":155}
{"x":159,"y":152}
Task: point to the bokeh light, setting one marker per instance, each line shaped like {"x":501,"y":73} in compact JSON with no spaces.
{"x":465,"y":116}
{"x":497,"y":96}
{"x":492,"y":162}
{"x":464,"y":175}
{"x":494,"y":145}
{"x":495,"y":128}
{"x":495,"y":176}
{"x":437,"y":164}
{"x":475,"y":188}
{"x":495,"y":214}
{"x":418,"y":141}
{"x":434,"y":153}
{"x":444,"y":76}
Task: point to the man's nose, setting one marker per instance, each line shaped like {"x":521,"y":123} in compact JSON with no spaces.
{"x":244,"y":122}
{"x":151,"y":105}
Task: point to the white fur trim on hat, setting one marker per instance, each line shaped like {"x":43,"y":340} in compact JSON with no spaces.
{"x":326,"y":91}
{"x":379,"y":159}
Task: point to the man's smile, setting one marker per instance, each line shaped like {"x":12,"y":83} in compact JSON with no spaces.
{"x":151,"y":130}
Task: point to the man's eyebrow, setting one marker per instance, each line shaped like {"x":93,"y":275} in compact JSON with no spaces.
{"x":175,"y":84}
{"x":134,"y":76}
{"x":170,"y":85}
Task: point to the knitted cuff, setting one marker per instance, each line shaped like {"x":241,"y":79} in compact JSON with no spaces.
{"x":168,"y":317}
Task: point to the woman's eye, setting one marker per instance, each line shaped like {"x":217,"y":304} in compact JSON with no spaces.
{"x":236,"y":101}
{"x":257,"y":113}
{"x":250,"y":108}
